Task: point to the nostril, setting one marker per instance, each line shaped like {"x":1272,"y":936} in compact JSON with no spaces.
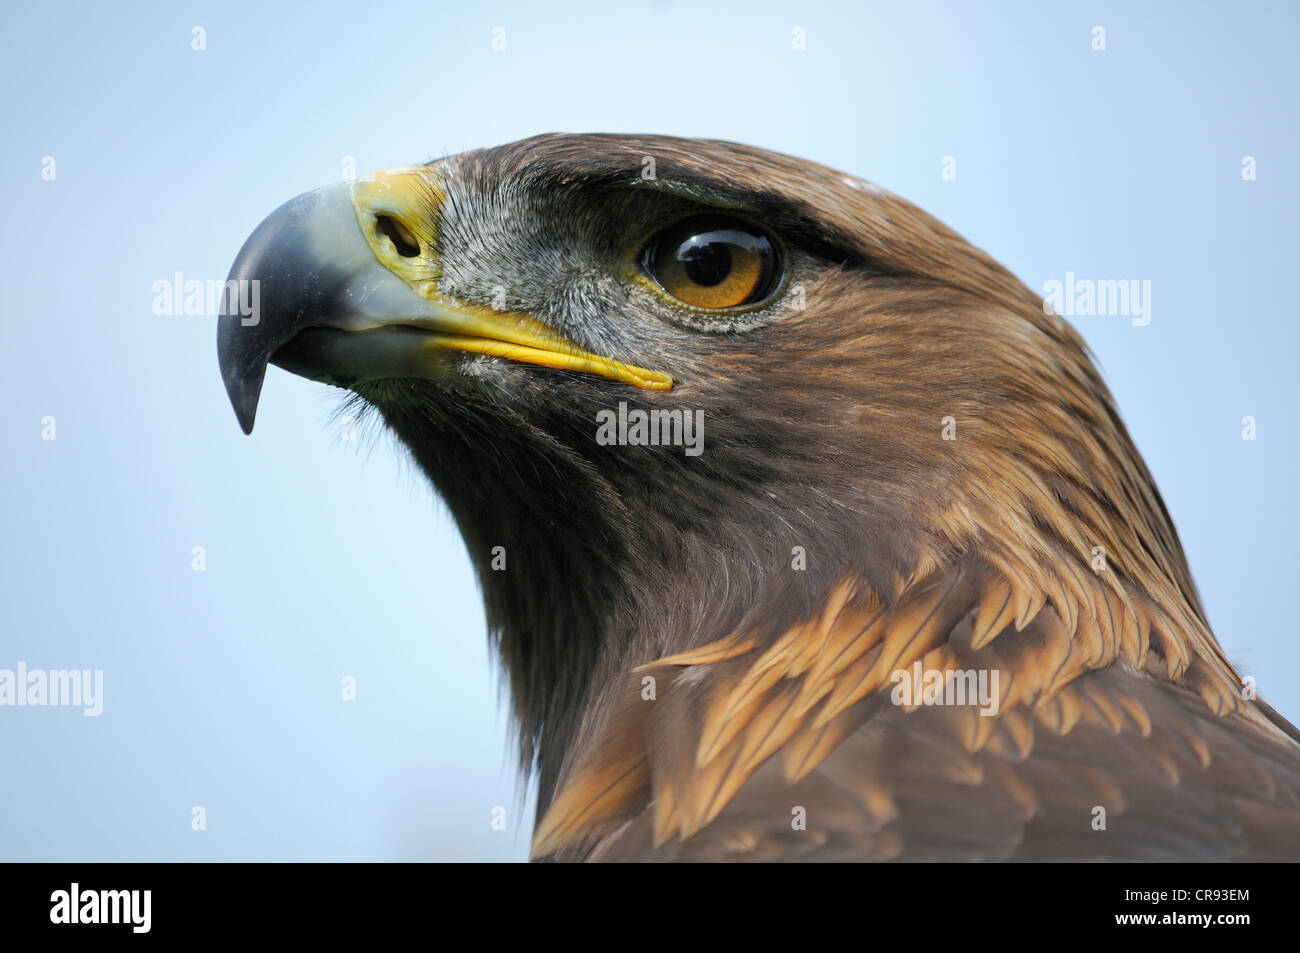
{"x":406,"y":246}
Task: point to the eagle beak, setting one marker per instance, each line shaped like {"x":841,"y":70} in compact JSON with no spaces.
{"x":341,"y":285}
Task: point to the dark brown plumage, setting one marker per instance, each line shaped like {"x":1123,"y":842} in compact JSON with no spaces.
{"x":825,"y":410}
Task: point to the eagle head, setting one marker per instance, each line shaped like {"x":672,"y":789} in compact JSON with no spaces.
{"x":761,"y":433}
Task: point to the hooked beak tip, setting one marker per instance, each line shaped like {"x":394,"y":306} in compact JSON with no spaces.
{"x":244,"y":388}
{"x":246,"y":417}
{"x":243,"y":398}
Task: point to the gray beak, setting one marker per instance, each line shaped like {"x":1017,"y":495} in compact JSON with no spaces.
{"x":307,"y":266}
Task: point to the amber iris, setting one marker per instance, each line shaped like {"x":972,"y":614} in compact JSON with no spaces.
{"x":714,"y":262}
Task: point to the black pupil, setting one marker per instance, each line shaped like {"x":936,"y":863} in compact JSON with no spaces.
{"x":706,"y":262}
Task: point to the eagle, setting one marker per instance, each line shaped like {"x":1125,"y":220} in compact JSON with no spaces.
{"x":805,"y":530}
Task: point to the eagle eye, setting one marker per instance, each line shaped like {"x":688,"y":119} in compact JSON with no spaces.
{"x":713,"y":262}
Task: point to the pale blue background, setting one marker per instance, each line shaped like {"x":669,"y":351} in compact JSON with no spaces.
{"x":327,"y":558}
